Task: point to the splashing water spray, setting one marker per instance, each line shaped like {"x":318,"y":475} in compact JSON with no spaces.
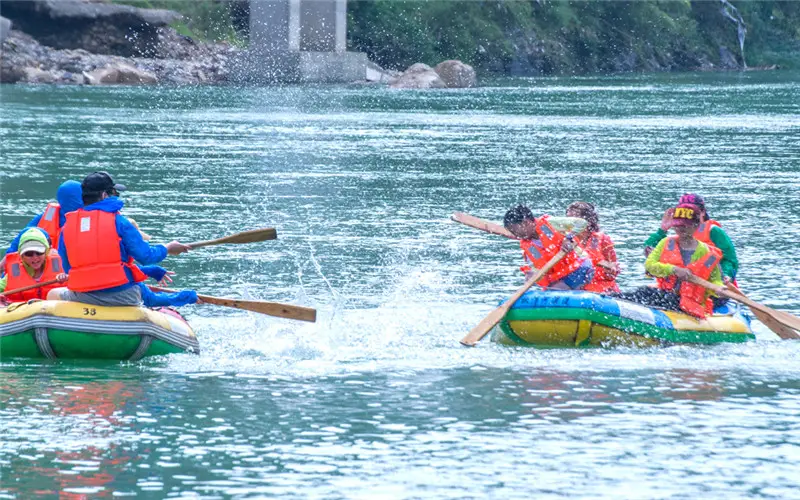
{"x":732,"y":13}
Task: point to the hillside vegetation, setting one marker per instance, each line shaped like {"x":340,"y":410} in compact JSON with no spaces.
{"x":542,"y":36}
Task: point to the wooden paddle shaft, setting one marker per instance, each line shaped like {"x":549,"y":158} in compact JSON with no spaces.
{"x":269,"y":308}
{"x":29,"y":287}
{"x":784,"y":318}
{"x":252,"y":236}
{"x":476,"y":334}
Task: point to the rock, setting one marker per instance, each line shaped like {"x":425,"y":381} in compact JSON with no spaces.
{"x":37,"y":75}
{"x":119,"y":74}
{"x":726,"y":58}
{"x":418,"y":76}
{"x":5,"y":28}
{"x":101,"y":28}
{"x":455,"y":74}
{"x":205,"y":63}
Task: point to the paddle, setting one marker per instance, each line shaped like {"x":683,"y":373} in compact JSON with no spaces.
{"x":269,"y":308}
{"x":252,"y":236}
{"x":781,"y":330}
{"x":783,"y":324}
{"x":492,"y":228}
{"x":29,"y":287}
{"x":476,"y":334}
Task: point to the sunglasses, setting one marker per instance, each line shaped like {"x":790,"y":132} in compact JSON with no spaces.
{"x":31,"y":253}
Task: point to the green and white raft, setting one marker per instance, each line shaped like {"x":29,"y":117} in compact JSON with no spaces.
{"x":71,"y":330}
{"x":583,"y":319}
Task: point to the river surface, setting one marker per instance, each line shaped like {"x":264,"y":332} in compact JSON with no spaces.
{"x":378,"y":399}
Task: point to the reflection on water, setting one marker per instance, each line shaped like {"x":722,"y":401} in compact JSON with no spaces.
{"x":400,"y":434}
{"x":377,"y":399}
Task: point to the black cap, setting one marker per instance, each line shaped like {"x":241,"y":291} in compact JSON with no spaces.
{"x":98,"y":182}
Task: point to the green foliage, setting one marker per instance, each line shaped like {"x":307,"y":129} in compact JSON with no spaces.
{"x":207,"y":20}
{"x":566,"y":36}
{"x":540,"y":36}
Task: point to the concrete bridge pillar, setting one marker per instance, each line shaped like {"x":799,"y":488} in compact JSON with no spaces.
{"x":300,"y":41}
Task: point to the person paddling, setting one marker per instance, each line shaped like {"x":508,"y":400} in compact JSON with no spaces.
{"x":709,"y":232}
{"x":673,"y":261}
{"x":52,"y":219}
{"x":33,"y":263}
{"x":98,"y":248}
{"x":598,"y":247}
{"x":541,"y":241}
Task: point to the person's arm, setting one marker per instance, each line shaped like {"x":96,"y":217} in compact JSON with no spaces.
{"x":135,"y":245}
{"x":155,"y":272}
{"x":655,"y":238}
{"x":652,"y":264}
{"x":3,"y":283}
{"x":729,"y":263}
{"x":164,"y":299}
{"x":14,"y":246}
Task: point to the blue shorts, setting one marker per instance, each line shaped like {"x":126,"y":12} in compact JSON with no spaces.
{"x":581,"y":276}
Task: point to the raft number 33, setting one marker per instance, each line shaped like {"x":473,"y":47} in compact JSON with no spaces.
{"x":89,"y":311}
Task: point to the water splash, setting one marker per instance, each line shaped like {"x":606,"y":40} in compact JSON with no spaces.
{"x":732,"y":13}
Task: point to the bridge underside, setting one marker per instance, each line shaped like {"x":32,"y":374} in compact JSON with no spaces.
{"x":299,"y":41}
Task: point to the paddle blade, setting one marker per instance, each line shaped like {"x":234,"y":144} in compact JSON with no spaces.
{"x":269,"y":308}
{"x":252,"y":236}
{"x":784,"y":325}
{"x":484,"y":327}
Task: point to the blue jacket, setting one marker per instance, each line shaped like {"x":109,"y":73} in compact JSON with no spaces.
{"x":69,"y":196}
{"x":132,"y":244}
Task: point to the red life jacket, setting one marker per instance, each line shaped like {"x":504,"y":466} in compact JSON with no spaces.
{"x":602,"y":281}
{"x":18,"y":277}
{"x":49,"y":223}
{"x":693,"y":297}
{"x":539,"y":256}
{"x":93,"y":250}
{"x":703,"y":232}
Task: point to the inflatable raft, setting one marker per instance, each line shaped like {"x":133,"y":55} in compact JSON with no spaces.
{"x":582,"y":319}
{"x":71,"y":330}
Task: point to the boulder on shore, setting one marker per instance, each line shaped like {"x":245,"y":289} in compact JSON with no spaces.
{"x":418,"y":76}
{"x":119,"y":73}
{"x":455,"y":74}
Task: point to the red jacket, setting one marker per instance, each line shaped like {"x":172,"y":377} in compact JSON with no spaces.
{"x":18,"y":277}
{"x":599,"y":247}
{"x":693,"y":297}
{"x":539,"y":252}
{"x":93,"y":251}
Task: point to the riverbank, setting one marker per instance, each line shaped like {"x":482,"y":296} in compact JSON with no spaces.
{"x":183,"y":61}
{"x":95,"y":42}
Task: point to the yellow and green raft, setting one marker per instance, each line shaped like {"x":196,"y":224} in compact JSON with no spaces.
{"x":71,"y":330}
{"x":582,"y":319}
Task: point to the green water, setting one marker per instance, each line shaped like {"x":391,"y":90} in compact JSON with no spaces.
{"x":378,"y":399}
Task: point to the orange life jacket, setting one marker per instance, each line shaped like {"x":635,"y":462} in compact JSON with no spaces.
{"x":703,"y":232}
{"x":602,"y":281}
{"x":93,"y":250}
{"x":49,"y":223}
{"x":693,"y":297}
{"x":539,"y":256}
{"x":18,"y":277}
